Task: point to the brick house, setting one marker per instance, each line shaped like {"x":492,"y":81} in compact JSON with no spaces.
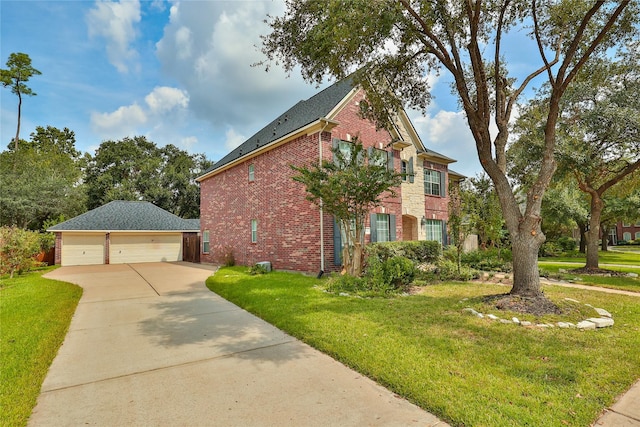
{"x":251,"y":207}
{"x":624,"y":231}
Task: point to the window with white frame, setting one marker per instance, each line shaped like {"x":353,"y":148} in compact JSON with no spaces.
{"x":205,"y":241}
{"x":432,"y":182}
{"x":404,"y":169}
{"x":254,"y":230}
{"x":626,"y":236}
{"x":626,"y":224}
{"x":252,"y":172}
{"x":382,"y":228}
{"x":434,"y":230}
{"x":637,"y":235}
{"x":638,"y":223}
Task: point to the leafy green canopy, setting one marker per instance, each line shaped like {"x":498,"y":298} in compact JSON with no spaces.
{"x":137,"y":169}
{"x":42,"y":180}
{"x":349,"y":187}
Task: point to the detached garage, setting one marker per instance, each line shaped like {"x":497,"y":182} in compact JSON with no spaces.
{"x":123,"y":232}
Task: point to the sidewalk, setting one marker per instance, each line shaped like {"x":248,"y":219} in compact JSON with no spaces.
{"x":625,"y":412}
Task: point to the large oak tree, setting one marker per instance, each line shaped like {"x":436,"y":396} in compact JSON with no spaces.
{"x":393,"y":45}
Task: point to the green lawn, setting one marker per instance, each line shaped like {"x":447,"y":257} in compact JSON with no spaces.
{"x":466,"y":370}
{"x":616,"y":282}
{"x":608,"y":257}
{"x":34,"y":317}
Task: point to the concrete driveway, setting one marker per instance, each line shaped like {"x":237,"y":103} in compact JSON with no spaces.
{"x":150,"y":345}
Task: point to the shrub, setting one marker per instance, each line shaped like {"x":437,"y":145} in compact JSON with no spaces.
{"x":18,"y":248}
{"x":257,"y":269}
{"x":488,"y":260}
{"x":448,"y":270}
{"x":416,"y":251}
{"x":567,"y":244}
{"x":392,"y":274}
{"x":228,"y":259}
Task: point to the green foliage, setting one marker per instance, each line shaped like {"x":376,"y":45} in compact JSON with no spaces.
{"x":389,"y":275}
{"x":349,"y":187}
{"x":483,"y":259}
{"x":447,"y":270}
{"x":42,"y":180}
{"x":18,"y":247}
{"x":257,"y":270}
{"x":137,"y":169}
{"x":417,"y":251}
{"x":34,"y":316}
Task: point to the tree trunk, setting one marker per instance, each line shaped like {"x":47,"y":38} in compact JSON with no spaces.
{"x":593,"y":235}
{"x":526,"y":277}
{"x":604,"y":241}
{"x":18,"y":128}
{"x":583,"y":240}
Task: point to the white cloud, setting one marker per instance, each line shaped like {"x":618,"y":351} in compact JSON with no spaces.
{"x":209,"y":47}
{"x":164,"y":99}
{"x":123,"y":121}
{"x":162,"y":114}
{"x":188,"y":142}
{"x":447,"y":132}
{"x":233,"y":139}
{"x":115,"y":22}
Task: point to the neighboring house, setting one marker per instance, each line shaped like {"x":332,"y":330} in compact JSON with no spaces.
{"x":124,"y":232}
{"x":251,"y":207}
{"x":624,"y":231}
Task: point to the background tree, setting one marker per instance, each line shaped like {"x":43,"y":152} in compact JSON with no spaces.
{"x":42,"y":180}
{"x":598,"y":135}
{"x":564,"y":209}
{"x":17,"y":74}
{"x":394,"y":45}
{"x":349,"y":188}
{"x":137,"y":169}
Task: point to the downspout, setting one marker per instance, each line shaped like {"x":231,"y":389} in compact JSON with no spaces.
{"x":326,"y":123}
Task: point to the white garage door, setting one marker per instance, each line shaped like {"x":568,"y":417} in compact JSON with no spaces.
{"x":82,"y":249}
{"x":132,"y":248}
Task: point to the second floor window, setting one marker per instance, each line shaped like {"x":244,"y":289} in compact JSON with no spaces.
{"x":432,"y":182}
{"x":252,"y":173}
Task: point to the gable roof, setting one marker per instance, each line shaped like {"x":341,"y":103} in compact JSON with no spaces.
{"x":300,"y":115}
{"x":120,"y":215}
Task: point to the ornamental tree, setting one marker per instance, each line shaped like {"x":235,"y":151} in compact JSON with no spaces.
{"x":348,"y":188}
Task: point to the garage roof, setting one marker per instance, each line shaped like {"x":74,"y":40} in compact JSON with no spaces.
{"x":120,"y":215}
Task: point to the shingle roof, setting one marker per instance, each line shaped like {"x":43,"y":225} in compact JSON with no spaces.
{"x":120,"y":215}
{"x":298,"y":116}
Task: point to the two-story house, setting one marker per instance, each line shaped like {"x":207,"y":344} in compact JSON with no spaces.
{"x":251,"y":207}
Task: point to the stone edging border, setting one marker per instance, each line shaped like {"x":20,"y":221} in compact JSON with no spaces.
{"x":605,"y":319}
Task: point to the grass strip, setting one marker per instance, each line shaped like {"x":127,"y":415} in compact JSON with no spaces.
{"x":34,"y":317}
{"x":614,"y":282}
{"x":466,"y":370}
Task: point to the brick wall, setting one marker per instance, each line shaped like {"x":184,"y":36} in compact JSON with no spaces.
{"x":288,"y":232}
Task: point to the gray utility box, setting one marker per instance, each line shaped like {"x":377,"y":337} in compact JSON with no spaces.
{"x":265,"y":264}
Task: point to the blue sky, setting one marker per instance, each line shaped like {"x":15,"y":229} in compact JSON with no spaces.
{"x":177,"y":72}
